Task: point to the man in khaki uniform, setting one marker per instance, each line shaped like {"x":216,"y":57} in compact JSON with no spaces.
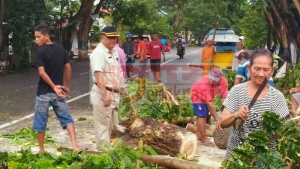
{"x":108,"y":81}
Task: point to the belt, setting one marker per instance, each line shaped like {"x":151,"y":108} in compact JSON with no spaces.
{"x":110,"y":89}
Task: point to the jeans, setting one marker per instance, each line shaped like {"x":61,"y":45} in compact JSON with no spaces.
{"x":41,"y":114}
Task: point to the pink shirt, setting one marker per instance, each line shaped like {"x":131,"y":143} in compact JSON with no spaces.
{"x":203,"y":92}
{"x":155,"y":48}
{"x":122,"y":57}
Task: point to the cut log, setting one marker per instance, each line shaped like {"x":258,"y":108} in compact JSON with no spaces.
{"x":166,"y":139}
{"x":209,"y":129}
{"x":221,"y":137}
{"x":171,"y":162}
{"x":184,"y":121}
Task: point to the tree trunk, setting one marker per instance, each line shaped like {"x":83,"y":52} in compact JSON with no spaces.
{"x":297,"y":4}
{"x":174,"y":163}
{"x":2,"y":8}
{"x":166,"y":139}
{"x":83,"y":37}
{"x":269,"y":37}
{"x":209,"y":129}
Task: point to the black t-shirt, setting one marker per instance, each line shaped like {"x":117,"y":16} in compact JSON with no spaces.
{"x":53,"y":58}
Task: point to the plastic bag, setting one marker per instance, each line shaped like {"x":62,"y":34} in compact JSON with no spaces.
{"x":281,"y":71}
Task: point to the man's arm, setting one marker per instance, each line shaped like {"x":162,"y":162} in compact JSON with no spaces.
{"x":57,"y":88}
{"x":237,"y":81}
{"x":100,"y":83}
{"x":212,"y":110}
{"x":163,"y":52}
{"x":68,"y":75}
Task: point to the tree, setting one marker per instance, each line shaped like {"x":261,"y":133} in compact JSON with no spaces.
{"x":253,"y":26}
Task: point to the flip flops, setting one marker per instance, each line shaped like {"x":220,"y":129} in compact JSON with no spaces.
{"x":82,"y":149}
{"x":209,"y":144}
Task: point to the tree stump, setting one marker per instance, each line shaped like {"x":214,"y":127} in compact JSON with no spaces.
{"x":166,"y":139}
{"x":221,"y":137}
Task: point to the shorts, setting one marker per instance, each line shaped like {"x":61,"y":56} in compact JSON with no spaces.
{"x":296,"y":96}
{"x":200,"y":109}
{"x":155,"y":64}
{"x":41,"y":113}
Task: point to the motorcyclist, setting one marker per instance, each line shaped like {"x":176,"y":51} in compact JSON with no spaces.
{"x":180,"y":42}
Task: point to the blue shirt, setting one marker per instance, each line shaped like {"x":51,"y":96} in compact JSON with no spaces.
{"x":163,"y":41}
{"x":242,"y":72}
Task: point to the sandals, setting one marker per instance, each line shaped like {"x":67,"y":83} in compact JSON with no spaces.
{"x":209,"y":144}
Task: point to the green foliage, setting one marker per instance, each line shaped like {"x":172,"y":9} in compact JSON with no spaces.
{"x":230,"y":76}
{"x":112,"y":157}
{"x":217,"y":102}
{"x":138,"y":17}
{"x":95,"y":36}
{"x":255,"y":152}
{"x":253,"y":25}
{"x":290,"y":80}
{"x":153,"y":105}
{"x":27,"y":137}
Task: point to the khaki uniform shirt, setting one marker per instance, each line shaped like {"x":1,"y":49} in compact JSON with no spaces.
{"x":108,"y":62}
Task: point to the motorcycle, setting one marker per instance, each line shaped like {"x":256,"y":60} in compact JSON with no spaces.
{"x":180,"y":51}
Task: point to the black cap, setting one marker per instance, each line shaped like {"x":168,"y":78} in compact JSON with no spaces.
{"x":110,"y":31}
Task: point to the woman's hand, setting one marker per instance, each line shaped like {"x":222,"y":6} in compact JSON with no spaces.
{"x":243,"y":113}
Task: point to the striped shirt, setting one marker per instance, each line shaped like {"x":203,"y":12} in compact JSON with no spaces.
{"x":238,"y":96}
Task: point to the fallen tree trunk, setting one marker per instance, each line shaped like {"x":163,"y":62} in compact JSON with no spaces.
{"x":171,"y":162}
{"x":209,"y":129}
{"x":166,"y":139}
{"x":187,"y":120}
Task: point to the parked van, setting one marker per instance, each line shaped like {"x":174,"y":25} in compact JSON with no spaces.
{"x":219,"y":31}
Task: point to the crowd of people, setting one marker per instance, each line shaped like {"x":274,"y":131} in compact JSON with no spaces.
{"x":108,"y":66}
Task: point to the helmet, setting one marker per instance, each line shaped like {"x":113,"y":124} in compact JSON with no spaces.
{"x":129,"y":35}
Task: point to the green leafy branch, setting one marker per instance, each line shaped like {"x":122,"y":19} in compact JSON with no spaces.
{"x":256,"y":153}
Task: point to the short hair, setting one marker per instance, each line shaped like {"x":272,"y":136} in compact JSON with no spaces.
{"x":261,"y":52}
{"x":155,"y":33}
{"x":44,"y":29}
{"x":141,"y":37}
{"x":244,"y":55}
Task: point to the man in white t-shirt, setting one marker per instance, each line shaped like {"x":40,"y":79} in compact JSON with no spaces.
{"x":235,"y":62}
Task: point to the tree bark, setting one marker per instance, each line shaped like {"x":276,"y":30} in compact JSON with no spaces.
{"x":173,"y":163}
{"x":83,"y":38}
{"x":2,"y":8}
{"x":166,"y":139}
{"x":297,"y":4}
{"x":209,"y":129}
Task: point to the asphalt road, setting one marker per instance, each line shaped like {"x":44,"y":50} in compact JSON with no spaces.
{"x":17,"y":91}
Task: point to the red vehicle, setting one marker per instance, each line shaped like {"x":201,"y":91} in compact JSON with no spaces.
{"x":168,"y":47}
{"x":147,"y":39}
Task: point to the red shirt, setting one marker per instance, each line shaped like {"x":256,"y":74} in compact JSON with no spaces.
{"x":203,"y":92}
{"x":155,"y":48}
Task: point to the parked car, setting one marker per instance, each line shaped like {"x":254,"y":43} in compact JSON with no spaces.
{"x":219,"y":31}
{"x":147,"y":39}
